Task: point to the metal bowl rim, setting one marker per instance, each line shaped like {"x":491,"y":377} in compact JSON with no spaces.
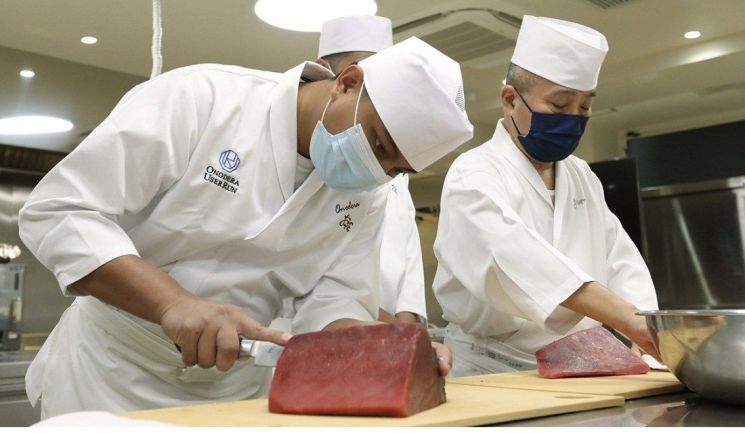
{"x":700,"y":313}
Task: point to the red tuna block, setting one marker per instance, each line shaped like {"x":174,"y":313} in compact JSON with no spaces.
{"x":377,"y":370}
{"x":591,"y":352}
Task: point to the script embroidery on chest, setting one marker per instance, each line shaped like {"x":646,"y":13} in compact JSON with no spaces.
{"x":346,"y":223}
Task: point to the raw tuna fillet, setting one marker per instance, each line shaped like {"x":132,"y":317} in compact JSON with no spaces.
{"x":591,"y":352}
{"x":380,"y":370}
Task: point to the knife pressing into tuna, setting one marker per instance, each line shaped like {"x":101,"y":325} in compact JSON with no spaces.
{"x":264,"y":353}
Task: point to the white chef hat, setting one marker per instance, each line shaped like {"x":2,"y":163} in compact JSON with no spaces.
{"x":418,"y":93}
{"x":563,"y":52}
{"x":355,"y":33}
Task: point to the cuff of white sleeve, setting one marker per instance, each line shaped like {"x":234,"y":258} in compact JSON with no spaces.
{"x":75,"y":253}
{"x":561,"y":319}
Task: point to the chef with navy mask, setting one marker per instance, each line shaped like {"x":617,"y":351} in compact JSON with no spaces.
{"x":527,"y":249}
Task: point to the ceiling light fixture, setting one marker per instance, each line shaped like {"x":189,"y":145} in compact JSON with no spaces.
{"x":89,"y":40}
{"x":307,"y":16}
{"x":25,"y":125}
{"x":693,"y":34}
{"x":27,"y":73}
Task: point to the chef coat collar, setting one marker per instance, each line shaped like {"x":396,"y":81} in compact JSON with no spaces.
{"x":283,"y":120}
{"x":505,"y":146}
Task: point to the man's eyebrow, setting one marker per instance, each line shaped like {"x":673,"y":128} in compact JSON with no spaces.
{"x":561,"y":92}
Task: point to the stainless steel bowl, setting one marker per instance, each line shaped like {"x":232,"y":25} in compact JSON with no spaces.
{"x":705,"y":349}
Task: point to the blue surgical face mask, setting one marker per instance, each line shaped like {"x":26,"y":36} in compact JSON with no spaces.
{"x":552,"y":137}
{"x":345,"y":161}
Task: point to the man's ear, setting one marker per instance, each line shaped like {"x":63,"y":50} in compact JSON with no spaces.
{"x":350,"y":78}
{"x":507,"y":96}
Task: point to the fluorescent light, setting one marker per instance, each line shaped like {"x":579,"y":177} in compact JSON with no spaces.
{"x":27,"y":73}
{"x":22,"y":125}
{"x":693,"y":34}
{"x":307,"y":16}
{"x":89,"y":40}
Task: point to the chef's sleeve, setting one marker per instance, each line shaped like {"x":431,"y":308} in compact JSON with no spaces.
{"x":484,"y":246}
{"x":349,"y":288}
{"x":411,"y":296}
{"x":628,"y":275}
{"x":70,"y":220}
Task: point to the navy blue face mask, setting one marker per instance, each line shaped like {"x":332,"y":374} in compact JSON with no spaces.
{"x":552,"y":137}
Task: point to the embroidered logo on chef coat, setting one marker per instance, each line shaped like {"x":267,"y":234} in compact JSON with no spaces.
{"x":576,"y":202}
{"x":346,"y":223}
{"x":229,"y":161}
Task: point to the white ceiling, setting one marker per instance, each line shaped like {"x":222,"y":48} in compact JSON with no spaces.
{"x":652,"y":74}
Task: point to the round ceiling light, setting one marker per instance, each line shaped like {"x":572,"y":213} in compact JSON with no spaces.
{"x":693,"y":34}
{"x":89,"y":40}
{"x":23,"y":125}
{"x":27,"y":73}
{"x":307,"y":16}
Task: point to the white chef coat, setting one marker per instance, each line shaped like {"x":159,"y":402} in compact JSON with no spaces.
{"x":507,"y":256}
{"x":194,"y":172}
{"x":402,"y":270}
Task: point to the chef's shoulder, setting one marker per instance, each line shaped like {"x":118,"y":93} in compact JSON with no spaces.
{"x":473,"y":165}
{"x":206,"y":81}
{"x":582,"y":168}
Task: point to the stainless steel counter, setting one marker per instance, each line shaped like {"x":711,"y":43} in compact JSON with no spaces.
{"x":682,"y":409}
{"x":15,"y":410}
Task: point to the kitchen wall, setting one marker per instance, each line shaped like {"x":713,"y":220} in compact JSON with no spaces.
{"x":43,"y":302}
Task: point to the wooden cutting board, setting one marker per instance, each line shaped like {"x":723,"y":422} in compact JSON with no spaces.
{"x":629,"y":387}
{"x":467,"y":405}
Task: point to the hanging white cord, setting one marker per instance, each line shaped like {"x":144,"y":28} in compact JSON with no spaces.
{"x":157,"y":35}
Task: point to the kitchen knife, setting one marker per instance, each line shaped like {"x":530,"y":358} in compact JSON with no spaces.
{"x":264,"y":353}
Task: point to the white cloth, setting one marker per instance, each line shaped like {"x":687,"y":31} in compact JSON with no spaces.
{"x":507,"y":257}
{"x":483,"y":355}
{"x":426,"y":120}
{"x":402,"y":270}
{"x":401,"y":266}
{"x":566,"y":53}
{"x":140,"y":369}
{"x":355,"y":33}
{"x":194,"y":171}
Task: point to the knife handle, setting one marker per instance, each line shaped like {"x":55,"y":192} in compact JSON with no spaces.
{"x":244,"y":351}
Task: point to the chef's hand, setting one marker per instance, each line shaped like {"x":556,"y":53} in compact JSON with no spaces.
{"x":636,"y":329}
{"x":207,"y":332}
{"x":636,"y":350}
{"x":444,"y":357}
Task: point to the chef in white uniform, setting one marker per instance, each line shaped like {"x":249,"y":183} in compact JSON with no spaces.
{"x":344,"y":41}
{"x":186,"y":218}
{"x":527,"y":248}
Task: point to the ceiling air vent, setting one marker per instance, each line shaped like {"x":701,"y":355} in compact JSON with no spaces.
{"x":466,"y":41}
{"x":465,"y":33}
{"x":607,"y":4}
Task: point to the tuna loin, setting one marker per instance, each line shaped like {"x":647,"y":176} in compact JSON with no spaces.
{"x":381,"y":370}
{"x":591,"y":352}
